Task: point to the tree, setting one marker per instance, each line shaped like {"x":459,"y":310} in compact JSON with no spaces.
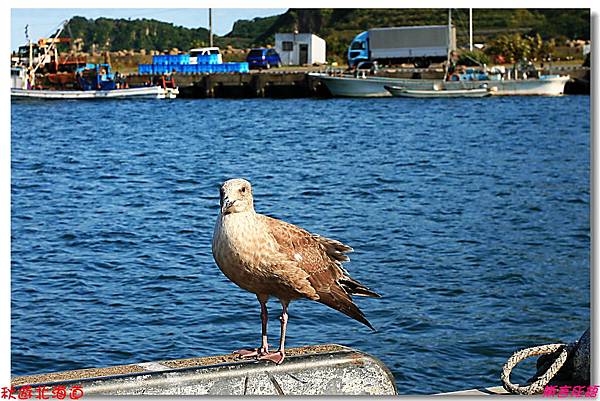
{"x":517,"y":47}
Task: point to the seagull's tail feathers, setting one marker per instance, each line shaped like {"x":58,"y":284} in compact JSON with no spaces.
{"x":353,"y":287}
{"x":339,"y":300}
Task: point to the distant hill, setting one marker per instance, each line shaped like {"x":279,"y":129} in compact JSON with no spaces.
{"x":122,"y":34}
{"x":337,"y":26}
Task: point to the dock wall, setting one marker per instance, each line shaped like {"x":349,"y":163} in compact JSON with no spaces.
{"x":317,"y":370}
{"x":298,"y":84}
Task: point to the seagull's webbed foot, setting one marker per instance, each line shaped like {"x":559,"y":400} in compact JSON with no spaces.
{"x":276,"y":357}
{"x":252,"y":353}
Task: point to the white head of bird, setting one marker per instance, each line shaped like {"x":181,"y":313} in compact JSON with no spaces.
{"x":236,"y":197}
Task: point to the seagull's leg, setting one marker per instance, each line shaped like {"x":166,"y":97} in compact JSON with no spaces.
{"x":264,"y":318}
{"x":278,"y":356}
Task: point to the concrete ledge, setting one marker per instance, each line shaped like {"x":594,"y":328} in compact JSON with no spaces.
{"x":499,"y":390}
{"x":317,"y":370}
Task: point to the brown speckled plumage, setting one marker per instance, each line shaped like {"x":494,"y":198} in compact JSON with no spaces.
{"x":272,"y":258}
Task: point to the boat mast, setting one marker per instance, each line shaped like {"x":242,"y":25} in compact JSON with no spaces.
{"x":449,"y":43}
{"x":449,"y":35}
{"x":30,"y":76}
{"x":49,"y":49}
{"x":470,"y":29}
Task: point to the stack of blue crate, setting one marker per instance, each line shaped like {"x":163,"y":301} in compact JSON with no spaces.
{"x":180,"y":63}
{"x":208,"y":59}
{"x":144,"y":69}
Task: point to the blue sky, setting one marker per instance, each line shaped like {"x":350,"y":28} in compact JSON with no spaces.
{"x":44,"y":21}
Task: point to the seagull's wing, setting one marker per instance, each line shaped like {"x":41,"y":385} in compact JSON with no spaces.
{"x":320,"y":259}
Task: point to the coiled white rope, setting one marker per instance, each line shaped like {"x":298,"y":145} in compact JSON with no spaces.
{"x":537,"y":387}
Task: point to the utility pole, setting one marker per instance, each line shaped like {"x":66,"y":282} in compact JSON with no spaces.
{"x":210,"y":34}
{"x":470,"y":29}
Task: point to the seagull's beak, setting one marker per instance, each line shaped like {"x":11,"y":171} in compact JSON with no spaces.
{"x":227,"y":204}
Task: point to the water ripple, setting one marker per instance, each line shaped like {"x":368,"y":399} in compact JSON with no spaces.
{"x":464,"y":214}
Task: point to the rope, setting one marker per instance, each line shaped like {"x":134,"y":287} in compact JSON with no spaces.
{"x":537,"y":386}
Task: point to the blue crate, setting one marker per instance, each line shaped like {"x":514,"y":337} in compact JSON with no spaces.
{"x":160,"y":69}
{"x":144,"y":68}
{"x":236,"y":67}
{"x":161,"y":59}
{"x":208,"y":59}
{"x":180,"y":59}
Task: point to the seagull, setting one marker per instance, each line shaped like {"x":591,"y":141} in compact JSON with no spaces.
{"x":272,"y":258}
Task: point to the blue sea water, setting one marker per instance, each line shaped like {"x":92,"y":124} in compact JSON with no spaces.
{"x":470,"y":217}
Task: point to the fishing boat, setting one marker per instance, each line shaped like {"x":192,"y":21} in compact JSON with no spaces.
{"x":102,"y":87}
{"x":150,"y":92}
{"x":38,"y":73}
{"x":438,"y":92}
{"x":374,"y":86}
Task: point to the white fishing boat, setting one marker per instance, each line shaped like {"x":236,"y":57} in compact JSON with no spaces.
{"x":373,"y":86}
{"x":149,"y":92}
{"x":20,"y":90}
{"x":438,"y":92}
{"x":30,"y":78}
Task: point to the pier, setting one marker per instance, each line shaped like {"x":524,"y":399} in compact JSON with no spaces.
{"x":313,"y":370}
{"x":299,"y":84}
{"x":283,"y":84}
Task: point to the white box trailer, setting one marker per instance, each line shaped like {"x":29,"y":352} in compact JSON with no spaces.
{"x":420,"y":45}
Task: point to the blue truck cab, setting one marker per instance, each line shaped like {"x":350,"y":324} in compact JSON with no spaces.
{"x":359,"y":49}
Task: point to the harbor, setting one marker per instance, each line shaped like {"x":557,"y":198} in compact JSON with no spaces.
{"x":38,"y":69}
{"x":302,"y":84}
{"x":305,"y":201}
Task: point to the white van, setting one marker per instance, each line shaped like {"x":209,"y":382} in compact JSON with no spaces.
{"x":205,"y":51}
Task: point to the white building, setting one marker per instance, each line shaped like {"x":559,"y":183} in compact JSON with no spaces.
{"x":300,"y":48}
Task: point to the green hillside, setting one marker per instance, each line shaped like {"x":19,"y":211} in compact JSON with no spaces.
{"x":339,"y":26}
{"x":336,"y":26}
{"x":121,"y":34}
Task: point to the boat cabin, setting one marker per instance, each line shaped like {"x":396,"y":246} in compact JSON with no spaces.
{"x":96,"y":77}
